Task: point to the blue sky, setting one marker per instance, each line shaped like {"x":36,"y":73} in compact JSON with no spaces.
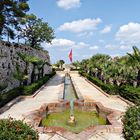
{"x":89,"y":26}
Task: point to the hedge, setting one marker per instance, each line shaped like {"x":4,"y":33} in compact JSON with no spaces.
{"x":131,"y":121}
{"x":23,"y":90}
{"x":130,"y":93}
{"x":16,"y":130}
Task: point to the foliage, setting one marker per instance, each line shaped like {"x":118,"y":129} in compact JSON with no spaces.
{"x":135,"y":61}
{"x":76,"y":64}
{"x":116,"y":71}
{"x":3,"y":86}
{"x":36,"y":31}
{"x":19,"y":75}
{"x":131,"y":121}
{"x":130,"y":93}
{"x":60,"y":63}
{"x":23,"y":90}
{"x":15,"y":129}
{"x":10,"y":13}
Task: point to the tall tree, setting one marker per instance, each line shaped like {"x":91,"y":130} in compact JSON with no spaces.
{"x":10,"y":13}
{"x":61,"y":62}
{"x":135,"y":61}
{"x":35,"y":31}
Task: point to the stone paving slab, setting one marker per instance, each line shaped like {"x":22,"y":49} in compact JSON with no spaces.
{"x":50,"y":93}
{"x":107,"y":136}
{"x":57,"y":137}
{"x":44,"y":136}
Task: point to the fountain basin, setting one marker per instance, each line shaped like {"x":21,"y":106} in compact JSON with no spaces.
{"x":109,"y":123}
{"x":83,"y":119}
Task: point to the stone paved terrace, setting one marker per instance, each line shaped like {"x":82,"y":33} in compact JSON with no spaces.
{"x":52,"y":92}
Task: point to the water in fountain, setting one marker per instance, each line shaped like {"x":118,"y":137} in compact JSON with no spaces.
{"x":70,"y":95}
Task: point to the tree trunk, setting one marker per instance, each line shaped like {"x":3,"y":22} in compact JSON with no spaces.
{"x":138,"y":78}
{"x":42,"y":71}
{"x":25,"y":82}
{"x":33,"y":74}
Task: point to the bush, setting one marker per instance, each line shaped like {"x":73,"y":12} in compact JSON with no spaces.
{"x":131,"y":121}
{"x":2,"y":87}
{"x":130,"y":93}
{"x":16,"y":130}
{"x":11,"y":94}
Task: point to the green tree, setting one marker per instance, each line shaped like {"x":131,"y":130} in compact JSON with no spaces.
{"x":10,"y":13}
{"x":20,"y":75}
{"x":135,"y":62}
{"x":61,"y":62}
{"x":36,"y":31}
{"x":40,"y":67}
{"x":76,"y":64}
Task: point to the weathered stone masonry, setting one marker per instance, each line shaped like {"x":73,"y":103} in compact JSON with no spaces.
{"x":9,"y":59}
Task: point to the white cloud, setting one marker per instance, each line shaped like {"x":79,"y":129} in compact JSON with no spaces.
{"x":80,"y":45}
{"x":80,"y":25}
{"x":107,"y":29}
{"x":125,"y":47}
{"x":117,"y":47}
{"x":129,"y":33}
{"x":85,"y":34}
{"x":65,"y":44}
{"x":68,"y":4}
{"x":94,"y":47}
{"x":111,"y":47}
{"x":62,"y":42}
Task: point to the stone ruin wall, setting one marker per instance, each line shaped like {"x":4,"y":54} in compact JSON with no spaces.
{"x":9,"y":59}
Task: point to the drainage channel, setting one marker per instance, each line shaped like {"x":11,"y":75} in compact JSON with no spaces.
{"x":69,"y":92}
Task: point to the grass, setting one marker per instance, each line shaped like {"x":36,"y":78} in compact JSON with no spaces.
{"x":83,"y":120}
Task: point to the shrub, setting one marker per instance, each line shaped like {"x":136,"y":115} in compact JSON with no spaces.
{"x":16,"y":130}
{"x":2,"y":87}
{"x":11,"y":94}
{"x":131,"y":121}
{"x":130,"y":93}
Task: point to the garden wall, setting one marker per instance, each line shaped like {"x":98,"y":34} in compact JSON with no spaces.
{"x":9,"y":59}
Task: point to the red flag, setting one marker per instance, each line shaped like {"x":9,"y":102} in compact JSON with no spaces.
{"x":70,"y":55}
